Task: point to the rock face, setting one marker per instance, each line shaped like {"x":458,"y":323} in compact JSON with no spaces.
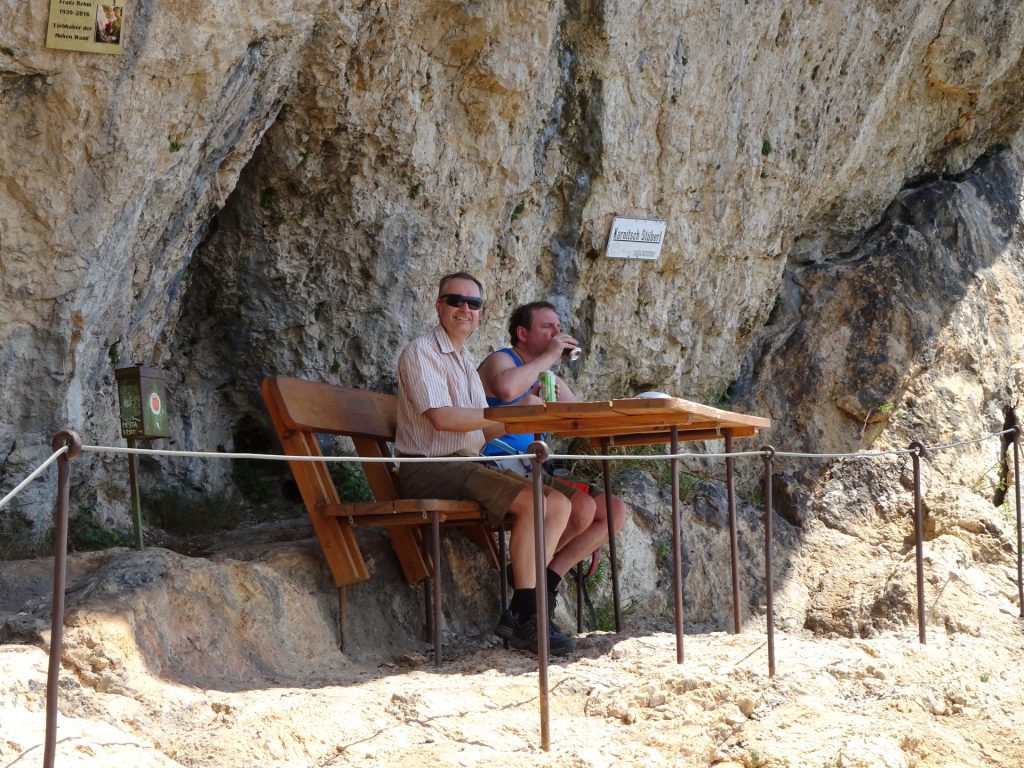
{"x":113,"y":167}
{"x":278,"y":189}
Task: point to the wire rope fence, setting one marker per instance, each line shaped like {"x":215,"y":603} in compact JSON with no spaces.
{"x":67,"y":445}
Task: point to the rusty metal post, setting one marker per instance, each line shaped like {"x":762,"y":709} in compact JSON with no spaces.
{"x":1016,"y":492}
{"x":677,"y":545}
{"x":341,"y":619}
{"x":734,"y":550}
{"x":579,"y":597}
{"x":503,"y":575}
{"x":136,"y":500}
{"x":425,"y":546}
{"x":73,"y":442}
{"x":435,"y":540}
{"x":540,"y":451}
{"x":613,"y":560}
{"x":428,"y":605}
{"x":769,"y":453}
{"x":918,"y":451}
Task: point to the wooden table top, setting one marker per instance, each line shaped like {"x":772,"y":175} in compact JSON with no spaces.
{"x":629,"y":421}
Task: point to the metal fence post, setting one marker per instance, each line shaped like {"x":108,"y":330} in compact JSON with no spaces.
{"x":540,"y":451}
{"x":677,"y":548}
{"x":734,"y":557}
{"x":918,"y":451}
{"x":769,"y":453}
{"x":73,"y":442}
{"x":1016,"y":493}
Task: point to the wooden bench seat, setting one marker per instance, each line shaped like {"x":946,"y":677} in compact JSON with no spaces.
{"x":301,"y":410}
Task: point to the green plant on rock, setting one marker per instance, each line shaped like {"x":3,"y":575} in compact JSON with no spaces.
{"x":183,"y":513}
{"x":886,"y":410}
{"x":268,"y":196}
{"x":351,"y":482}
{"x":983,"y":481}
{"x":1009,"y":515}
{"x":719,"y":395}
{"x":604,"y":613}
{"x":756,"y":496}
{"x":664,"y":550}
{"x":86,"y":535}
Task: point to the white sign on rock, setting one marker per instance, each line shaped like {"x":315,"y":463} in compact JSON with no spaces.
{"x":635,"y":239}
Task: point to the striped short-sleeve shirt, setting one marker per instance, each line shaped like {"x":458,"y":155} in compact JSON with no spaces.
{"x":433,"y":374}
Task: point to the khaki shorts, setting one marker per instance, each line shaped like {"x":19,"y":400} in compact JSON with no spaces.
{"x":493,"y":487}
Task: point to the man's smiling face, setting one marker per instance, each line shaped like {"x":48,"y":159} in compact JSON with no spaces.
{"x":458,"y":321}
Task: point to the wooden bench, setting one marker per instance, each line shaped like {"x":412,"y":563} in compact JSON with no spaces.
{"x":300,"y":410}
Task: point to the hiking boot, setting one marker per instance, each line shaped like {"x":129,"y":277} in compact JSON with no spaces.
{"x":552,"y":598}
{"x":558,"y":642}
{"x":523,"y":635}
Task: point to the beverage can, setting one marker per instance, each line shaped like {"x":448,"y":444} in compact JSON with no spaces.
{"x":572,"y":354}
{"x":548,"y":391}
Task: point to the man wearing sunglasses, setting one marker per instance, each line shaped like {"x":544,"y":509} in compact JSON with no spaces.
{"x":440,"y":414}
{"x":510,"y":376}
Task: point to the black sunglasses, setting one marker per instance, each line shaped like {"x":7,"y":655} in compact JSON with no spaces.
{"x":457,"y":300}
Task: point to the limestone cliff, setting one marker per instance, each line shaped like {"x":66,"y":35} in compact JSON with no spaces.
{"x":275,"y":189}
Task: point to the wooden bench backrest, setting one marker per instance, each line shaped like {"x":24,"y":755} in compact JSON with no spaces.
{"x":366,"y":417}
{"x":299,"y":410}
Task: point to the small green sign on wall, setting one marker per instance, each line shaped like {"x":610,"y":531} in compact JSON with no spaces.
{"x":142,"y":399}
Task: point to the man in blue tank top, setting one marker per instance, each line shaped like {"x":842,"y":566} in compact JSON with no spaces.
{"x":509,"y":376}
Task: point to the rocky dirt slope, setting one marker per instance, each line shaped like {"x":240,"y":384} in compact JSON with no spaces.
{"x":171,"y":660}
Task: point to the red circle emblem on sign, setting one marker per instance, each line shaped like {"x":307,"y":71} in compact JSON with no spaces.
{"x":154,"y":404}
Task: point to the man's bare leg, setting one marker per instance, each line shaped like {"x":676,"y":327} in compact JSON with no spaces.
{"x":521,"y":545}
{"x":592,"y":537}
{"x":581,"y":515}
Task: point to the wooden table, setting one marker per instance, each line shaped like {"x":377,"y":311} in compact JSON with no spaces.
{"x":642,"y":421}
{"x":630,"y":421}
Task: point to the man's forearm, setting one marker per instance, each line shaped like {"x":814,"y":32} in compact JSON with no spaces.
{"x":452,"y":419}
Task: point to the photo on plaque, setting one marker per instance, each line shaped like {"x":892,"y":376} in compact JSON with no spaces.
{"x":108,"y":24}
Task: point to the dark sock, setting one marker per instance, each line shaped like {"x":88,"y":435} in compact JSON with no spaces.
{"x":524,"y":604}
{"x":553,"y":581}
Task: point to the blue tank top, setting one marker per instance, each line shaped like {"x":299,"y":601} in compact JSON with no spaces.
{"x":508,"y":444}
